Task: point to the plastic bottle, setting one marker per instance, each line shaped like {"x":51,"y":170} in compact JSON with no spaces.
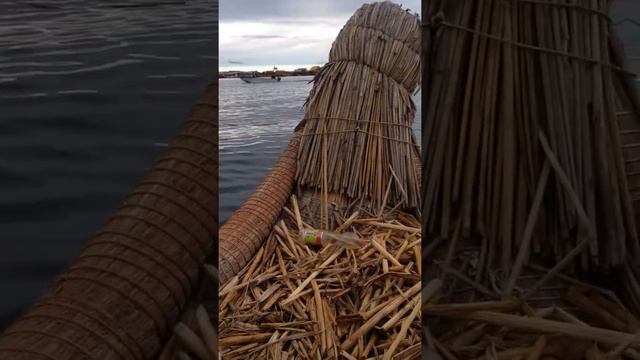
{"x":348,"y":240}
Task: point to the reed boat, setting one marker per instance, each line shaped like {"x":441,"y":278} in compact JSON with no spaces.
{"x":352,"y":164}
{"x":132,"y":283}
{"x":532,"y":135}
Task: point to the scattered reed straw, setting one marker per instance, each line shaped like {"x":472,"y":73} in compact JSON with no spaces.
{"x":329,"y":304}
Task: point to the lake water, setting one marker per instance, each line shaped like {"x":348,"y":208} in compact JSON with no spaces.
{"x":626,"y":18}
{"x":256,"y":123}
{"x":90,"y":94}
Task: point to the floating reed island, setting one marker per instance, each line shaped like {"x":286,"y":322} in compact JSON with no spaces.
{"x":352,"y":164}
{"x":531,"y":183}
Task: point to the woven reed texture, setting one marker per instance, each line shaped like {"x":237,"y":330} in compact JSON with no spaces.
{"x":122,"y":295}
{"x":357,"y":134}
{"x":246,"y":229}
{"x":384,"y":37}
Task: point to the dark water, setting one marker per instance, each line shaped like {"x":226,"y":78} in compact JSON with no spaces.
{"x":626,"y":17}
{"x":89,"y":96}
{"x":256,"y":123}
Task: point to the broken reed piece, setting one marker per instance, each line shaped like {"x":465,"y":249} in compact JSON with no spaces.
{"x":403,"y":331}
{"x":298,"y":291}
{"x":430,"y":290}
{"x":212,"y":273}
{"x":243,"y":339}
{"x":594,"y":310}
{"x":450,"y":310}
{"x":391,"y":306}
{"x":538,"y":347}
{"x":525,"y":245}
{"x":600,"y":335}
{"x":192,"y":342}
{"x":209,"y":335}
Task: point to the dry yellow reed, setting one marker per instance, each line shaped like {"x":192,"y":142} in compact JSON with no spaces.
{"x":334,"y":299}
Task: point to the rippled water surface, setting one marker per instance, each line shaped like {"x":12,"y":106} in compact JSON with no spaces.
{"x":90,"y":94}
{"x":256,"y":123}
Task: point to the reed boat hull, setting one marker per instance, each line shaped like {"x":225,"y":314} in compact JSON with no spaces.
{"x":125,"y":292}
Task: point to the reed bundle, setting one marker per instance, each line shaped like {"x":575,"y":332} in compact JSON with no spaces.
{"x":357,"y":135}
{"x":292,"y":301}
{"x":531,"y":136}
{"x":523,"y":142}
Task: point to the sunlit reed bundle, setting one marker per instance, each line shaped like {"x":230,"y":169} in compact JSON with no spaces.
{"x":523,"y":144}
{"x":357,"y":136}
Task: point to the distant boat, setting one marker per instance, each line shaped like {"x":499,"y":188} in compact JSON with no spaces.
{"x":253,"y":78}
{"x":260,"y":79}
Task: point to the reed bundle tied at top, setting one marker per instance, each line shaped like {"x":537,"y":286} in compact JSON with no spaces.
{"x":523,"y":144}
{"x":357,"y":134}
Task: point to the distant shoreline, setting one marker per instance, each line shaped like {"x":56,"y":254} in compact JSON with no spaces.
{"x":297,"y":72}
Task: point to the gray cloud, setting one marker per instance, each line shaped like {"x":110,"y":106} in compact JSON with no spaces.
{"x":260,"y":10}
{"x":262,"y":37}
{"x":293,"y":32}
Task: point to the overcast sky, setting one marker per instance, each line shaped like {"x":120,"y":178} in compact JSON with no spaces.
{"x":279,"y":32}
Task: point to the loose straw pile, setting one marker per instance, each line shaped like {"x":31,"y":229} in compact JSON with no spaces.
{"x":295,"y":302}
{"x":565,"y":320}
{"x":357,"y":135}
